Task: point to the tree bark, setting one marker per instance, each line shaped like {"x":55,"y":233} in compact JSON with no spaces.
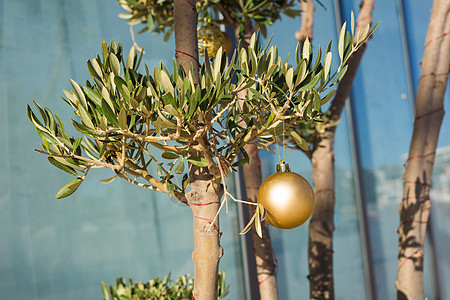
{"x":265,"y":260}
{"x":321,"y":226}
{"x":206,"y":191}
{"x":415,"y":206}
{"x":262,"y":247}
{"x":306,"y":28}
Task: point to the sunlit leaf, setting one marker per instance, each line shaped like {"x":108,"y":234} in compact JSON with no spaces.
{"x":109,"y":114}
{"x":198,"y":161}
{"x":341,"y":41}
{"x":69,"y":188}
{"x":61,"y":166}
{"x":299,"y":141}
{"x":179,"y":169}
{"x":170,"y":155}
{"x":108,"y":180}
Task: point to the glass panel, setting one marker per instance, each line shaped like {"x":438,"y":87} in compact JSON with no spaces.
{"x":384,"y":125}
{"x":64,"y":249}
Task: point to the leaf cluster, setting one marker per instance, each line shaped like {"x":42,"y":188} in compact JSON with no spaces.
{"x":158,"y":15}
{"x":159,"y":289}
{"x":308,"y":135}
{"x":125,"y":116}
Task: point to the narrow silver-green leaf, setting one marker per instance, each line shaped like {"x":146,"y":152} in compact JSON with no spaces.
{"x":306,"y":46}
{"x":78,"y":92}
{"x":61,"y":166}
{"x":328,"y":97}
{"x":299,"y":141}
{"x":108,"y":180}
{"x":123,"y":119}
{"x":109,"y":114}
{"x":249,"y":224}
{"x":115,"y":64}
{"x":170,"y":155}
{"x":326,"y":65}
{"x":93,"y":95}
{"x":130,"y":58}
{"x":85,"y":118}
{"x":198,"y":161}
{"x":179,"y":169}
{"x":69,"y":188}
{"x":289,"y":78}
{"x":167,"y":84}
{"x":341,"y":41}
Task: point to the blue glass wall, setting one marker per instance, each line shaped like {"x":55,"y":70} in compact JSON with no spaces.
{"x":63,"y":249}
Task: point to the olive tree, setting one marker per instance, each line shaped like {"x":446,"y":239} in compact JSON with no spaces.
{"x":243,"y":18}
{"x":165,"y":131}
{"x":415,"y":206}
{"x":320,"y":150}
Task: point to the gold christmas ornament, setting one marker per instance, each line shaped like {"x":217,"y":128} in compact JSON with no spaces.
{"x":211,"y":38}
{"x":287,"y":197}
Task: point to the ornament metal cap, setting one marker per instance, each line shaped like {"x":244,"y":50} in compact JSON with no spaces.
{"x":283,"y":167}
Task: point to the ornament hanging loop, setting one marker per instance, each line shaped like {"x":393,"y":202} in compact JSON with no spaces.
{"x":283,"y":167}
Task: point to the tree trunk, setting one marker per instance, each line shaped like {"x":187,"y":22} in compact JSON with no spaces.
{"x":264,"y":256}
{"x":321,"y":226}
{"x":265,"y":261}
{"x":306,"y":29}
{"x":206,"y":191}
{"x":415,"y":206}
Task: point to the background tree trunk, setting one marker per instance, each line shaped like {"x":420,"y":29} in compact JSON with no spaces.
{"x":321,"y":226}
{"x":206,"y":191}
{"x":262,"y":247}
{"x":264,"y":256}
{"x":415,"y":206}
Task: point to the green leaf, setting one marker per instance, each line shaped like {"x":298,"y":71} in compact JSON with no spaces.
{"x":61,"y":166}
{"x":299,"y":141}
{"x":47,"y":136}
{"x":289,"y":78}
{"x":341,"y":41}
{"x":76,"y":143}
{"x":130,"y":58}
{"x":108,"y":180}
{"x":115,"y":64}
{"x":93,"y":96}
{"x":69,"y":188}
{"x":306,"y":50}
{"x":179,"y":169}
{"x":328,"y":97}
{"x":270,"y":119}
{"x":123,"y":119}
{"x":109,"y":114}
{"x":341,"y":74}
{"x":327,"y":65}
{"x":240,"y":162}
{"x":159,"y":171}
{"x":170,"y":188}
{"x":167,"y":84}
{"x":78,"y":92}
{"x":32,"y":117}
{"x":104,"y":50}
{"x":249,"y":224}
{"x":169,"y":155}
{"x":92,"y":71}
{"x":312,"y":83}
{"x":85,"y":118}
{"x":198,"y":161}
{"x":84,"y":129}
